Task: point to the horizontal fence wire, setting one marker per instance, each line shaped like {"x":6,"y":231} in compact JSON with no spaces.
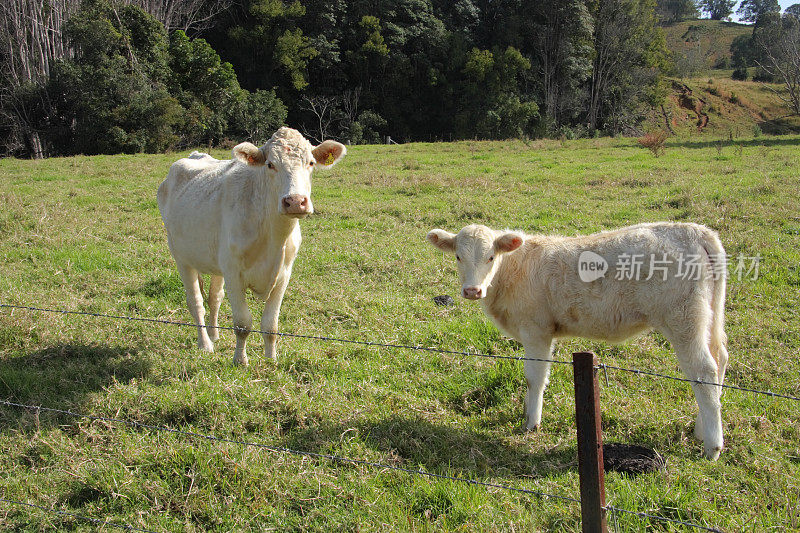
{"x":398,"y":346}
{"x":98,"y":521}
{"x":329,"y":457}
{"x":281,"y":449}
{"x":697,"y":381}
{"x":282,"y":334}
{"x":662,"y":518}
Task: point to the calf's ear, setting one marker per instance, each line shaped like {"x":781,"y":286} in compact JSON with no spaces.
{"x":442,"y":239}
{"x":328,"y":153}
{"x":249,"y":154}
{"x":508,"y":242}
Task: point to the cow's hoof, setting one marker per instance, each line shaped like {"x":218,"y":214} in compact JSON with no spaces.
{"x":240,"y":360}
{"x":533,"y":428}
{"x":206,"y":347}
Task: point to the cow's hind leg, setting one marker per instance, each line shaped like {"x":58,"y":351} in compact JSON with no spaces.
{"x":215,"y":294}
{"x":269,"y":320}
{"x":698,"y":364}
{"x":242,"y":318}
{"x":194,"y":301}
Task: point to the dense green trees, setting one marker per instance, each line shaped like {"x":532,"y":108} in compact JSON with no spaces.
{"x":717,"y":9}
{"x":751,"y":10}
{"x":129,"y":87}
{"x":357,"y":70}
{"x":676,"y":10}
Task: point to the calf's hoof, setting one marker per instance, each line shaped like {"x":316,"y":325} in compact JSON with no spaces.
{"x":533,"y":428}
{"x":206,"y":347}
{"x":712,"y":453}
{"x":240,"y":360}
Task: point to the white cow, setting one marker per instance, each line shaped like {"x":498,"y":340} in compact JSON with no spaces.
{"x":238,"y":221}
{"x":538,"y":288}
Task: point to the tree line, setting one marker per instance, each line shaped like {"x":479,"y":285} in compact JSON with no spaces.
{"x":107,"y":76}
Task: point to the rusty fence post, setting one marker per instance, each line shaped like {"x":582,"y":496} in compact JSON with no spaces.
{"x":590,"y":443}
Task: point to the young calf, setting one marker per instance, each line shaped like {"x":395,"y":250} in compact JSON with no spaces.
{"x":609,"y":286}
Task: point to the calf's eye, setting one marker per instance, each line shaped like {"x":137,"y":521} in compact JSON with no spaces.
{"x":490,"y":259}
{"x":458,"y":258}
{"x":270,"y":165}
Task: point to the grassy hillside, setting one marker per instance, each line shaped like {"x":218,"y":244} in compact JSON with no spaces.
{"x":703,"y":100}
{"x":84,"y":234}
{"x":717,"y":107}
{"x":703,"y":44}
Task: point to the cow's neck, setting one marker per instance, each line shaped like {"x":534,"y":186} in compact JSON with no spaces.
{"x":508,"y":278}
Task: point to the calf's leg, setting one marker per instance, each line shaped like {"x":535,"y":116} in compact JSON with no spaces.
{"x":215,"y":294}
{"x":537,"y":375}
{"x":194,"y":301}
{"x":698,"y":364}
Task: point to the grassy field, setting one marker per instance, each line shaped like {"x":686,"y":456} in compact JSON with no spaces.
{"x":84,"y":234}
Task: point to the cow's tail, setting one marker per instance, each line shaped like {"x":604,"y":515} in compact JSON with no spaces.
{"x":718,"y":340}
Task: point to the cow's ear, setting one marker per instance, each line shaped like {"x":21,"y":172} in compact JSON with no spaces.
{"x":508,"y":242}
{"x":443,"y":240}
{"x":249,"y":154}
{"x":328,"y":153}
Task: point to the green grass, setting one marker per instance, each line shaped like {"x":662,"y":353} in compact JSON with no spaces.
{"x":84,"y":234}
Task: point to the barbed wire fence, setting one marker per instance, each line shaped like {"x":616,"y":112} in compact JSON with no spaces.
{"x":339,"y":459}
{"x":601,"y":366}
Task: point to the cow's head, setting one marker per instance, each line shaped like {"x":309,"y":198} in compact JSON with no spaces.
{"x":288,"y":160}
{"x":478,"y":251}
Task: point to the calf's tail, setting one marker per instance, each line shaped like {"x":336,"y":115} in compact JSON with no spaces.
{"x":718,"y":340}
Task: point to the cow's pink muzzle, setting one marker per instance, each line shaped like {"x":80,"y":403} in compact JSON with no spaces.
{"x":472,"y":293}
{"x":296,"y":205}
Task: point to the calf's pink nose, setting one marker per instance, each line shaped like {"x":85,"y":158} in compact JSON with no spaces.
{"x":472,"y":293}
{"x":295,"y":204}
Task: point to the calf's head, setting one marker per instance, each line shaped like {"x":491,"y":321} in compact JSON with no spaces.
{"x":478,"y":252}
{"x":288,"y":160}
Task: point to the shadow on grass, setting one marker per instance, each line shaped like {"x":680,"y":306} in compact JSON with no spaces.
{"x":61,"y":376}
{"x":415,"y":443}
{"x":758,"y":141}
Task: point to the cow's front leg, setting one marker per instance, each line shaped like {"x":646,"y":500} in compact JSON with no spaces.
{"x":269,"y":320}
{"x":242,"y":319}
{"x":538,"y":353}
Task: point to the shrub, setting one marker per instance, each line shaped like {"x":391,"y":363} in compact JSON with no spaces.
{"x":740,"y":74}
{"x":654,"y":141}
{"x":722,"y":62}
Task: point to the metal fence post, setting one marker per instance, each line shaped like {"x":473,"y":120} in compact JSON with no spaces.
{"x":590,"y":443}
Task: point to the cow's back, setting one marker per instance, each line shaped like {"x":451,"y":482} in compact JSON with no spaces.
{"x":190,"y":200}
{"x":620,"y":302}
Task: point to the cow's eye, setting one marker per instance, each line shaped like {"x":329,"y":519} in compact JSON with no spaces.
{"x":311,"y":163}
{"x":270,"y":165}
{"x":490,"y":259}
{"x":458,"y":258}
